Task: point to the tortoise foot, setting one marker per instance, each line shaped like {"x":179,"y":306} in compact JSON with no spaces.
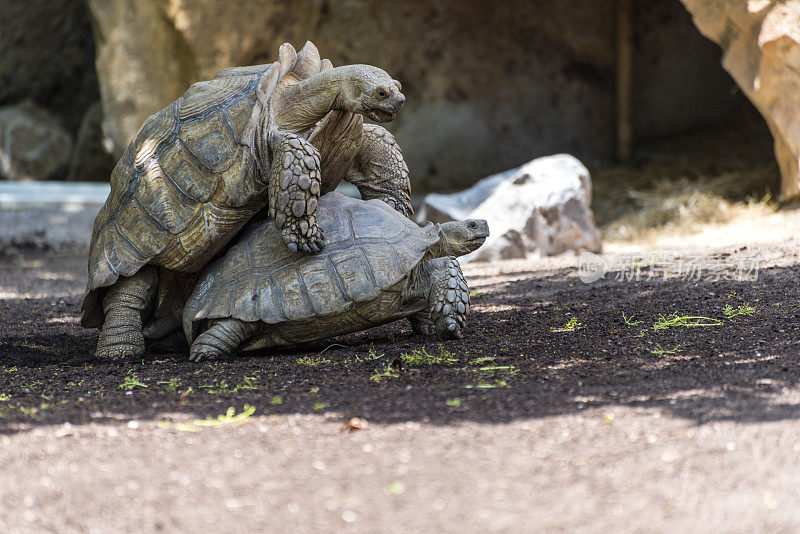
{"x":221,"y":339}
{"x":311,"y":242}
{"x":118,"y":350}
{"x":450,"y":301}
{"x":199,"y":354}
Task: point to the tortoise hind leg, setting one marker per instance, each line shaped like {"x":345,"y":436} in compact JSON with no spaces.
{"x":123,"y":306}
{"x":448,"y":297}
{"x":173,"y":292}
{"x":222,"y":339}
{"x":421,"y":323}
{"x":294,"y":188}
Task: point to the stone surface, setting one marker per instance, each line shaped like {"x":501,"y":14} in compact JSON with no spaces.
{"x":90,"y":160}
{"x":33,"y":145}
{"x":540,"y":208}
{"x":488,"y":84}
{"x":47,"y":55}
{"x":760,"y":40}
{"x":49,"y":215}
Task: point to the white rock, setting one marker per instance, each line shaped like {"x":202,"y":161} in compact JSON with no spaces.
{"x":539,"y":208}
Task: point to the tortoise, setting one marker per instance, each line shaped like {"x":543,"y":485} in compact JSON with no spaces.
{"x":377,"y":267}
{"x":201,"y":168}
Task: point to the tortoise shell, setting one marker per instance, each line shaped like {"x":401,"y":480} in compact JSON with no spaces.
{"x":369,"y":248}
{"x":189,"y":180}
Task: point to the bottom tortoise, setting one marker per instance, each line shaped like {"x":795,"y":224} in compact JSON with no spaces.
{"x":376,"y":267}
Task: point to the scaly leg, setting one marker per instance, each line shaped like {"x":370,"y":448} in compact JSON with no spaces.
{"x":421,"y":323}
{"x":294,"y":188}
{"x":173,"y":292}
{"x":123,"y":306}
{"x":379,"y":170}
{"x":448,"y":297}
{"x":222,"y":339}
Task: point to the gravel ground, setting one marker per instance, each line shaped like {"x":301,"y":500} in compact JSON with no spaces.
{"x":557,"y":412}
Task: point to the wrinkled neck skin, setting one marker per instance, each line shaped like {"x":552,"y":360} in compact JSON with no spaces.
{"x":441,"y":249}
{"x":300,"y":106}
{"x":419,"y":282}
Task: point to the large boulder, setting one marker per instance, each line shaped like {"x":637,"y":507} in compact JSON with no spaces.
{"x":542,"y":207}
{"x":760,"y":40}
{"x":33,"y":145}
{"x":47,"y":55}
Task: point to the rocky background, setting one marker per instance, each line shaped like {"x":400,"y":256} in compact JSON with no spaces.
{"x":490,"y":86}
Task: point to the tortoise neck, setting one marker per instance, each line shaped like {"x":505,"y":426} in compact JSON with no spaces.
{"x":419,"y":281}
{"x":301,"y":105}
{"x":440,"y":249}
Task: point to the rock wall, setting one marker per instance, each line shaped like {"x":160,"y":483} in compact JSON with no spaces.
{"x":488,"y":85}
{"x":679,"y":83}
{"x":760,"y":40}
{"x":47,"y":55}
{"x":47,"y":60}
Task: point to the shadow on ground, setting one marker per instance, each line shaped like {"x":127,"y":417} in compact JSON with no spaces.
{"x":541,"y":345}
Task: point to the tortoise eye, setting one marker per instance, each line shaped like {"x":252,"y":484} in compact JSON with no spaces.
{"x":382,"y":92}
{"x":472,"y":225}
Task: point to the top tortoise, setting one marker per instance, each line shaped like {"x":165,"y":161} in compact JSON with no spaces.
{"x":270,"y":136}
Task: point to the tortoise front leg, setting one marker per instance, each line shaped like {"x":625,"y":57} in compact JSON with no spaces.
{"x":222,"y":339}
{"x":448,"y":297}
{"x":123,"y":306}
{"x":294,"y":187}
{"x":379,"y":170}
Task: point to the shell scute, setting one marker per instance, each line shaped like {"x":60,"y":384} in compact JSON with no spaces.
{"x":141,"y":231}
{"x":211,"y":141}
{"x":203,"y":97}
{"x":292,"y":293}
{"x":157,"y":132}
{"x":238,"y":114}
{"x":187,"y":174}
{"x":164,"y":200}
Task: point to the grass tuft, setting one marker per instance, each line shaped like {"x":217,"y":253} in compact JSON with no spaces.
{"x":688,"y":321}
{"x":745,"y":309}
{"x":421,"y":356}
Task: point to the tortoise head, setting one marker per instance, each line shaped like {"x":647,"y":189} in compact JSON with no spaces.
{"x":457,"y":238}
{"x":372,"y":92}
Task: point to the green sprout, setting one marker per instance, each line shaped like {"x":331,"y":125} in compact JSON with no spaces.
{"x":630,"y":321}
{"x":689,"y":321}
{"x":172,"y":384}
{"x":745,"y":309}
{"x":389,"y":372}
{"x":229,"y":418}
{"x":312,"y":362}
{"x":421,"y":356}
{"x":131,"y":382}
{"x":455,"y":403}
{"x":571,"y":326}
{"x":659,"y":351}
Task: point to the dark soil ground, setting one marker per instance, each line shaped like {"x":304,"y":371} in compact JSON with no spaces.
{"x":557,"y":411}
